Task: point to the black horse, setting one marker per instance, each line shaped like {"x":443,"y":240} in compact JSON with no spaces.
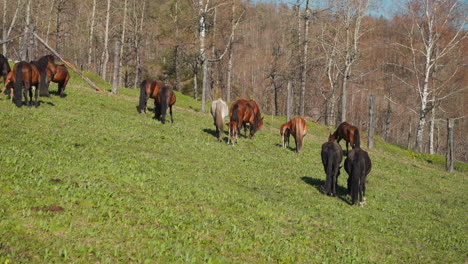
{"x":4,"y":67}
{"x":331,"y":159}
{"x":358,"y":165}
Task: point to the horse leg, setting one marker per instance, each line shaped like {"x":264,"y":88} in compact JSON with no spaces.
{"x":170,"y":112}
{"x":25,"y":94}
{"x":36,"y":95}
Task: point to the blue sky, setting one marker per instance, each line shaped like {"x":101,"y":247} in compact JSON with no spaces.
{"x":381,"y":7}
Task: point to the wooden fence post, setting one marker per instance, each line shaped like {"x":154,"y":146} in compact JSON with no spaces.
{"x":115,"y":77}
{"x":370,"y":140}
{"x":449,"y":157}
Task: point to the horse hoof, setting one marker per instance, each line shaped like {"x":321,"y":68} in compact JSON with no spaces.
{"x":361,"y":204}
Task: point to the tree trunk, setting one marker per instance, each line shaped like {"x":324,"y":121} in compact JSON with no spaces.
{"x":288,"y":101}
{"x":304,"y":58}
{"x":122,"y":42}
{"x":195,"y":86}
{"x":25,"y":56}
{"x":388,"y":118}
{"x":431,"y":129}
{"x":49,"y":21}
{"x":450,"y":145}
{"x":58,"y":35}
{"x":4,"y":28}
{"x":203,"y":61}
{"x":370,"y":141}
{"x":91,"y":35}
{"x":105,"y":53}
{"x":115,"y":82}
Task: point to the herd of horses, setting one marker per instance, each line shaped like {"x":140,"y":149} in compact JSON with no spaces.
{"x":34,"y":77}
{"x":357,"y":164}
{"x":28,"y":78}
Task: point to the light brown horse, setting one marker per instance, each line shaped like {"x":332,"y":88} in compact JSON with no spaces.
{"x":298,"y":129}
{"x":60,"y":77}
{"x":21,"y":81}
{"x":347,"y":132}
{"x":163,"y":97}
{"x":246,"y":111}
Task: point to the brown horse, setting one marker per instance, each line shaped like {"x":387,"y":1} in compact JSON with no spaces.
{"x":347,"y":132}
{"x":163,"y":97}
{"x":246,"y":111}
{"x":45,"y":63}
{"x":60,"y":77}
{"x":23,"y":79}
{"x":298,"y":129}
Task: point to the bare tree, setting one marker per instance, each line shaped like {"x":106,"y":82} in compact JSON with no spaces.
{"x":305,"y":49}
{"x":427,"y":44}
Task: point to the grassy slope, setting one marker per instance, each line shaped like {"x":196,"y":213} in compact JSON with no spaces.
{"x":134,"y":190}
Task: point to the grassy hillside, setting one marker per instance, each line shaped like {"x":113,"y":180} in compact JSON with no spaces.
{"x":88,"y":179}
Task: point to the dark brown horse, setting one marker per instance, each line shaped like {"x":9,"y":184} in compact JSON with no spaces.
{"x":358,"y":165}
{"x":163,"y":97}
{"x":331,"y":159}
{"x":45,"y":63}
{"x":298,"y":129}
{"x":60,"y":77}
{"x":347,"y":132}
{"x":246,"y":111}
{"x":21,"y":81}
{"x":4,"y":67}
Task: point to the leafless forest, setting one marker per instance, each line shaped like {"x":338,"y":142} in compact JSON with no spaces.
{"x":320,"y":59}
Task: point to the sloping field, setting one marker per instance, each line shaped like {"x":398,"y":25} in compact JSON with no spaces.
{"x":86,"y":179}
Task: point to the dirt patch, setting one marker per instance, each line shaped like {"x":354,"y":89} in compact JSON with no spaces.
{"x":55,"y":180}
{"x":51,"y":208}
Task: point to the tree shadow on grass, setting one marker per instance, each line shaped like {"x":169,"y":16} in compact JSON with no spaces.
{"x":341,"y":192}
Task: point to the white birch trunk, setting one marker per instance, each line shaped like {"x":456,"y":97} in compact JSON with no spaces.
{"x":49,"y":21}
{"x":304,"y":58}
{"x":91,"y":35}
{"x":202,"y":36}
{"x":4,"y":28}
{"x":431,"y":130}
{"x":105,"y":53}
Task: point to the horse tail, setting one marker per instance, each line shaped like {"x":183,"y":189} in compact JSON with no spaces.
{"x":43,"y":89}
{"x":18,"y":88}
{"x":234,"y":114}
{"x":356,"y":172}
{"x":142,"y":103}
{"x":357,"y":139}
{"x":164,"y":97}
{"x":329,"y":181}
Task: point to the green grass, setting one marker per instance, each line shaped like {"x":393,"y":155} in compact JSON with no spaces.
{"x":133,"y":190}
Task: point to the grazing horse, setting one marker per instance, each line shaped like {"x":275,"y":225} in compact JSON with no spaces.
{"x":246,"y":111}
{"x":60,"y":77}
{"x":331,"y":159}
{"x":4,"y":67}
{"x":165,"y":99}
{"x":219,"y":110}
{"x":148,"y":89}
{"x":358,"y":165}
{"x":298,"y":129}
{"x":347,"y":132}
{"x":44,"y":63}
{"x":23,"y":79}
